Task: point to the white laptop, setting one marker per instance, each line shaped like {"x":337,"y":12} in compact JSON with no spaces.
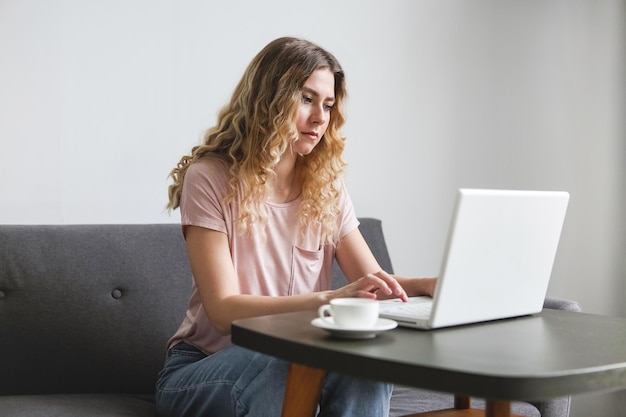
{"x":497,"y":261}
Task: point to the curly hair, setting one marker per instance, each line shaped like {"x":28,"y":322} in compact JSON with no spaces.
{"x":258,"y":125}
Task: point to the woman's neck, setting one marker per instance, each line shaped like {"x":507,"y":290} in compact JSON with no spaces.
{"x":287,"y":184}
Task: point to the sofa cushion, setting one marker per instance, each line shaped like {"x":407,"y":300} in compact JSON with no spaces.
{"x":407,"y":400}
{"x":76,"y":405}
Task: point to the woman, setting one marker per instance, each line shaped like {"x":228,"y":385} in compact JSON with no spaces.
{"x":264,"y":211}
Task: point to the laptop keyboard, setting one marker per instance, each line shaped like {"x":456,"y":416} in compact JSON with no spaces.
{"x":418,"y":310}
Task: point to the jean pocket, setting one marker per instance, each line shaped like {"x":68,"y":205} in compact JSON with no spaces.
{"x":185,"y":349}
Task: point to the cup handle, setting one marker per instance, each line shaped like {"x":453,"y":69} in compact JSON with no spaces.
{"x":322,"y":313}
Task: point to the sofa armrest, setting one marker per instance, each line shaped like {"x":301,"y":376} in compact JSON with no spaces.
{"x":561,"y":304}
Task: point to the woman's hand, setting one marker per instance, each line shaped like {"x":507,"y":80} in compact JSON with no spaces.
{"x":370,"y":285}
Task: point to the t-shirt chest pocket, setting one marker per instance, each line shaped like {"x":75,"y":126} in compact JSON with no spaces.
{"x":306,"y":268}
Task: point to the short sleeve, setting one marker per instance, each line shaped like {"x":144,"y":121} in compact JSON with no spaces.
{"x":205,"y":188}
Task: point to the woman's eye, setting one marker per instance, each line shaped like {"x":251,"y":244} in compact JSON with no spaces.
{"x":328,"y":107}
{"x":306,"y":99}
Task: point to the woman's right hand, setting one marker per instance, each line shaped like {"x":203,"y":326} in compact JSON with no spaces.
{"x":367,"y":286}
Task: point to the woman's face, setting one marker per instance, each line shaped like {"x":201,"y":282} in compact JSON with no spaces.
{"x":318,"y":97}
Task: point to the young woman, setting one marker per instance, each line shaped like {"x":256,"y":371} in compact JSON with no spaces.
{"x":264,"y":212}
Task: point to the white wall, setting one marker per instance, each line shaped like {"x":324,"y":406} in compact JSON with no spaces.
{"x":98,"y":100}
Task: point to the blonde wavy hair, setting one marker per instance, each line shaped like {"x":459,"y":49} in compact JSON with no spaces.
{"x":257,"y":127}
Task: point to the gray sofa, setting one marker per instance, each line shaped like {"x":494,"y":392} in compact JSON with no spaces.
{"x":86,"y":310}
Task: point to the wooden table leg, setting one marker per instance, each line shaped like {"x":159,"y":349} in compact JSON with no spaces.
{"x":462,"y":402}
{"x":495,"y":408}
{"x":302,"y":391}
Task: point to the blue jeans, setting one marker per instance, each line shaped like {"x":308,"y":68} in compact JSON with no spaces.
{"x":237,"y":382}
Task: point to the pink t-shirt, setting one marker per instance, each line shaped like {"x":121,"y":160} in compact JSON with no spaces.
{"x":280,"y":265}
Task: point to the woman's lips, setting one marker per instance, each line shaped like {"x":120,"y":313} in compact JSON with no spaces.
{"x":311,"y":135}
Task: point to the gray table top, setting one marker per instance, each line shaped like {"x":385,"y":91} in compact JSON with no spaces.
{"x":551,"y":354}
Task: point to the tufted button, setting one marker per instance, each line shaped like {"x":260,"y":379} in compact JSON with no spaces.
{"x":2,"y":295}
{"x":116,"y":293}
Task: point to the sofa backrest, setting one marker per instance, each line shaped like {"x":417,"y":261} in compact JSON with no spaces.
{"x":372,"y":231}
{"x":89,"y":308}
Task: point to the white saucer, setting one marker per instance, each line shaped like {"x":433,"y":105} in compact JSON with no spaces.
{"x":351,"y":333}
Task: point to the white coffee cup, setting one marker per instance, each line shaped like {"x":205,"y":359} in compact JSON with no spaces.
{"x":353,"y":313}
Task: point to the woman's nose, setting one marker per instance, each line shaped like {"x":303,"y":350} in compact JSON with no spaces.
{"x":318,"y":114}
